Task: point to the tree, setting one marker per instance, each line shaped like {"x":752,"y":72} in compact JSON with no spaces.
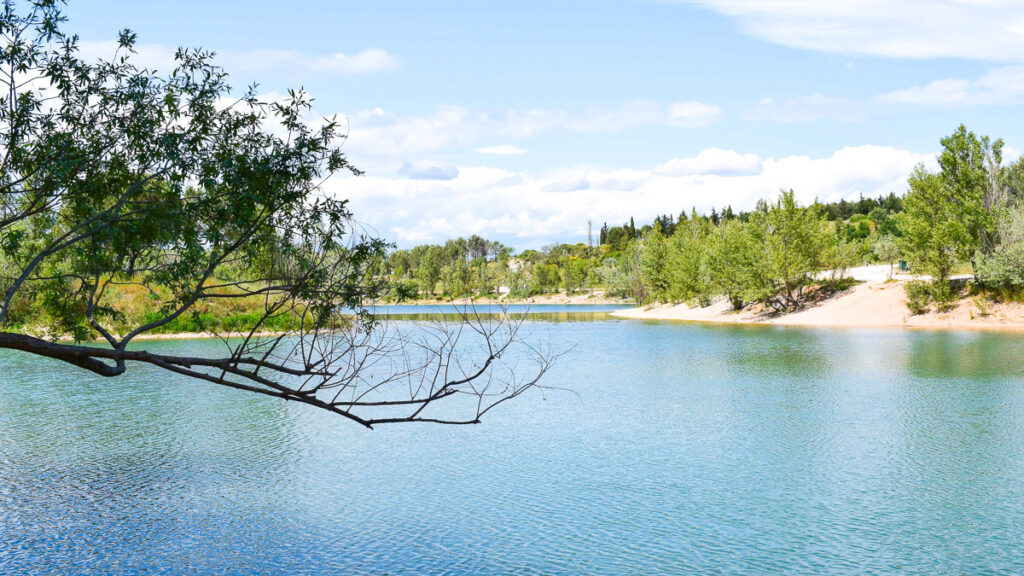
{"x":114,"y":176}
{"x":933,"y":233}
{"x":429,"y":270}
{"x":795,"y":242}
{"x":886,"y":250}
{"x":732,"y":261}
{"x":970,"y":169}
{"x":688,"y":261}
{"x":654,"y":264}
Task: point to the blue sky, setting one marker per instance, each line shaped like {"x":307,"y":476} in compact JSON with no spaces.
{"x":520,"y":121}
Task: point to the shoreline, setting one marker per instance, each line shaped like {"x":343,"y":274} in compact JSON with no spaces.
{"x":596,"y":298}
{"x":867,"y":305}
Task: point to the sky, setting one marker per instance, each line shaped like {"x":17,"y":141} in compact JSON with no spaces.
{"x":522,"y":121}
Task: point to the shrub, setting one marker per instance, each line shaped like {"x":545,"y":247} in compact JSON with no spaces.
{"x":918,"y":296}
{"x":943,"y":294}
{"x":1002,"y":271}
{"x":983,"y":306}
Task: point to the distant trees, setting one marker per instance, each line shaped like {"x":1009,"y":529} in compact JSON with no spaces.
{"x":970,"y":211}
{"x":771,"y":256}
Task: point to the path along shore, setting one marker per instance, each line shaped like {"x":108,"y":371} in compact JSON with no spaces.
{"x":874,"y":303}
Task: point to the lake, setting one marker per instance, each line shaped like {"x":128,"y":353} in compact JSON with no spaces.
{"x":682,"y":449}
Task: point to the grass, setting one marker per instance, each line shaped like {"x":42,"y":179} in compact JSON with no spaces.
{"x":129,"y":306}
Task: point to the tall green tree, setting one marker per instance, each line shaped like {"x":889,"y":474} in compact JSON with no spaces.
{"x":654,"y":264}
{"x":970,"y":171}
{"x":688,"y":262}
{"x":934,"y":235}
{"x":733,"y":262}
{"x":795,"y":241}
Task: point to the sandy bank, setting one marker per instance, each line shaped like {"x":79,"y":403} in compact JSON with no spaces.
{"x":867,"y":305}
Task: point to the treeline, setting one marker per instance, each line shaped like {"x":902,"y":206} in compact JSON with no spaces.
{"x":694,"y":257}
{"x":457,"y":268}
{"x":768,"y":255}
{"x":968,"y":215}
{"x":854,"y":219}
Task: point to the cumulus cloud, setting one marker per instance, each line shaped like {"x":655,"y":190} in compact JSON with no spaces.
{"x":529,"y":210}
{"x":977,"y":29}
{"x":260,"y":61}
{"x":713,"y":161}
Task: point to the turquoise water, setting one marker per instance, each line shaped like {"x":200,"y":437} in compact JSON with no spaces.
{"x":683,"y":450}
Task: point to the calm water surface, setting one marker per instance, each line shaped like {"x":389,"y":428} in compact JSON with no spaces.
{"x":685,"y":450}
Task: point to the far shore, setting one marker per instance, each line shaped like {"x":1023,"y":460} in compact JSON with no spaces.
{"x":596,"y":297}
{"x":874,"y":303}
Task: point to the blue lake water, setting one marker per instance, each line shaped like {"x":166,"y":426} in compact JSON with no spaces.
{"x":683,"y":449}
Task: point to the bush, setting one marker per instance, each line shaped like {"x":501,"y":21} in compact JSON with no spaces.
{"x":943,"y":294}
{"x":1002,"y":271}
{"x":921,"y":294}
{"x":918,"y":296}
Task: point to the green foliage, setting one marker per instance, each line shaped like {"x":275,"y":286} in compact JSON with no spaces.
{"x":970,"y":170}
{"x":795,"y":242}
{"x":688,"y":260}
{"x":918,"y":296}
{"x":934,"y":233}
{"x":886,"y":250}
{"x":576,"y":272}
{"x":115,"y":176}
{"x":921,"y":294}
{"x":733,"y":261}
{"x":943,"y":295}
{"x":654,"y":265}
{"x":1002,"y":271}
{"x":545,"y":278}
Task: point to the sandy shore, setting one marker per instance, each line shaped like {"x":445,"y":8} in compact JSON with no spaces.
{"x":871,"y":304}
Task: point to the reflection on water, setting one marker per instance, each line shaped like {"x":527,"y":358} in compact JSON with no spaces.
{"x":685,"y":449}
{"x":535,"y":312}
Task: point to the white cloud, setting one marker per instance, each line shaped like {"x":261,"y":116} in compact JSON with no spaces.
{"x":570,"y":185}
{"x":260,"y":61}
{"x":291,"y":62}
{"x":999,"y":87}
{"x":713,"y":161}
{"x":528,"y":210}
{"x":379,"y":138}
{"x":1002,"y":86}
{"x":693,"y":114}
{"x":977,"y":29}
{"x":502,"y":150}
